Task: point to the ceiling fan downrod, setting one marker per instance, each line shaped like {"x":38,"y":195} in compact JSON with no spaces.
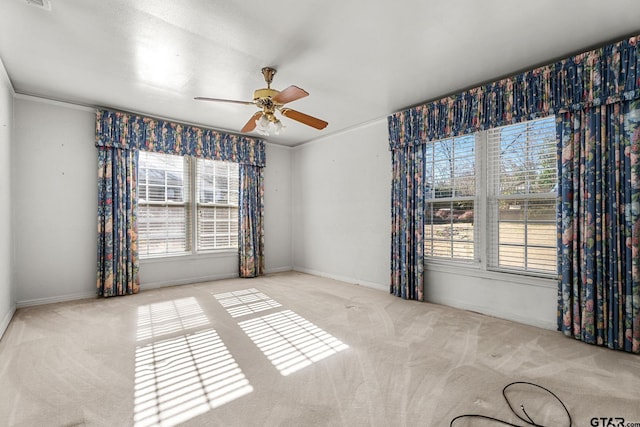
{"x":268,"y":74}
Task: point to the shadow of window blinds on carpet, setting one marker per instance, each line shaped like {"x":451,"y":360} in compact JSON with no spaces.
{"x":181,"y":377}
{"x":289,"y":341}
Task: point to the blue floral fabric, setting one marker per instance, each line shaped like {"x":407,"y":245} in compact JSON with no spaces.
{"x":117,"y":272}
{"x":408,"y":220}
{"x":250,"y":215}
{"x":130,"y":131}
{"x":599,"y":225}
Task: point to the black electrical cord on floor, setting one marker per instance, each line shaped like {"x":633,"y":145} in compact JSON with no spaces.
{"x":527,"y":420}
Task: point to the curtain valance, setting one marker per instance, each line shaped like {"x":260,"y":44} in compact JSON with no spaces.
{"x":129,"y":131}
{"x":601,"y":76}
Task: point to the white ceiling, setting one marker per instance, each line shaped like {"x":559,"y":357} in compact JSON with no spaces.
{"x":359,"y":60}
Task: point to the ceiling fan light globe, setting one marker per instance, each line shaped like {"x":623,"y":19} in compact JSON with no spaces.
{"x":277,"y":125}
{"x":262,"y":131}
{"x":262,"y":125}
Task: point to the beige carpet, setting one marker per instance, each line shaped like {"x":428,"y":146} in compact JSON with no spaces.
{"x":294,"y":350}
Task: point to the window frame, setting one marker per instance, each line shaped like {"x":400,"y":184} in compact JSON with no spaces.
{"x":185,"y":204}
{"x":191,"y":216}
{"x":451,"y":200}
{"x":485,"y":249}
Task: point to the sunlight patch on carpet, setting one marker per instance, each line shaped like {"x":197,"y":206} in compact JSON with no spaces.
{"x":167,"y":317}
{"x":180,"y":378}
{"x":289,"y":341}
{"x":245,"y":302}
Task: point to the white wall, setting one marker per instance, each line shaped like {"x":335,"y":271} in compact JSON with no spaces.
{"x":277,"y":208}
{"x":54,"y":201}
{"x":523,"y":299}
{"x":7,"y":293}
{"x":341,"y":206}
{"x":341,"y":229}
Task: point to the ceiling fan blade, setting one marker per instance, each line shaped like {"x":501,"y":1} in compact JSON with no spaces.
{"x":204,"y":98}
{"x":251,"y":124}
{"x":290,"y":94}
{"x":304,"y":118}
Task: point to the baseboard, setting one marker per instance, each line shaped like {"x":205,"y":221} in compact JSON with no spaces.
{"x":538,"y":323}
{"x":192,"y":280}
{"x":143,"y":286}
{"x":6,"y":320}
{"x":278,"y":270}
{"x":187,"y":281}
{"x":346,"y":279}
{"x":53,"y":300}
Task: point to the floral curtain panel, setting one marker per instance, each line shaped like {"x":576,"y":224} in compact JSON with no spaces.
{"x":408,"y":217}
{"x":119,"y":136}
{"x":117,"y":228}
{"x":599,"y":225}
{"x":251,"y":220}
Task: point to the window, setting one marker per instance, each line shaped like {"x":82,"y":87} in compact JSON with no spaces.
{"x":163,"y":204}
{"x":451,"y":192}
{"x":186,"y":205}
{"x":217,"y":208}
{"x":504,"y":180}
{"x":521,"y":196}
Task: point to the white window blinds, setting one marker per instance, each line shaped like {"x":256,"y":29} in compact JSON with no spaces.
{"x":521,"y":178}
{"x":163,"y":204}
{"x":186,"y":205}
{"x":217,"y":186}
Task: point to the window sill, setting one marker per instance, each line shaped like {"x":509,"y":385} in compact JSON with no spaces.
{"x":475,"y":269}
{"x":230,"y":253}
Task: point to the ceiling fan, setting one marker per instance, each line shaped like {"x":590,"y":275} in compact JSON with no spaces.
{"x":269,"y":100}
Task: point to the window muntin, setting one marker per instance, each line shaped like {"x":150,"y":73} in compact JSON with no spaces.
{"x":186,"y":205}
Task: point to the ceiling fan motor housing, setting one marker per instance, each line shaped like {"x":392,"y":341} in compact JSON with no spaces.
{"x":264,"y":93}
{"x":263,"y":99}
